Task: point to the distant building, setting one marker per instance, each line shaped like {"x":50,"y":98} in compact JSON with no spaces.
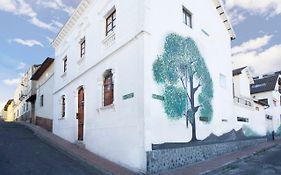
{"x":22,"y":108}
{"x":7,"y":113}
{"x":267,"y":90}
{"x":43,"y":95}
{"x":248,"y":112}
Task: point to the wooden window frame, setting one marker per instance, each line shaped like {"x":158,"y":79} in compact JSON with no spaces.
{"x":108,"y":88}
{"x":65,"y":64}
{"x":110,"y":23}
{"x":63,"y":105}
{"x":42,"y":100}
{"x":187,"y":17}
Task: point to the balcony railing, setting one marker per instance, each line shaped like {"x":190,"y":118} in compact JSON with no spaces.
{"x":22,"y":96}
{"x":243,"y":101}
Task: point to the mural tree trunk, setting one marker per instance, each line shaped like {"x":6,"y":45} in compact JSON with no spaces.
{"x":185,"y":77}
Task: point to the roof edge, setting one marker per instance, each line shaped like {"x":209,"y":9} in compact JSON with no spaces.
{"x":44,"y":66}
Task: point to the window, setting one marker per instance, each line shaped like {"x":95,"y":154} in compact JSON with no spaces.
{"x":108,"y":88}
{"x":42,"y":100}
{"x":65,"y":64}
{"x":82,"y":47}
{"x":63,"y":106}
{"x":110,"y":23}
{"x":242,"y":119}
{"x":222,"y":81}
{"x":187,"y":17}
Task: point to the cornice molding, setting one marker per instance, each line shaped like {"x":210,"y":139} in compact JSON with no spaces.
{"x":72,"y":21}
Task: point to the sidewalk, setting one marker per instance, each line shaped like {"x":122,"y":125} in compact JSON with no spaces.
{"x":210,"y":166}
{"x":105,"y":166}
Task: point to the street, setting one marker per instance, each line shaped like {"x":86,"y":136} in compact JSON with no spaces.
{"x":22,"y":153}
{"x":262,"y":163}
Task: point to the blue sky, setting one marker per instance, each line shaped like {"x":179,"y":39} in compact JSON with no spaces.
{"x":28,"y":26}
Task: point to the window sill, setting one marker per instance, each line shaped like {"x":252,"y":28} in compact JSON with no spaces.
{"x":63,"y":75}
{"x":109,"y":40}
{"x":103,"y":108}
{"x":81,"y":59}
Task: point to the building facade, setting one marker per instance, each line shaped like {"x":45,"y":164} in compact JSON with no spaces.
{"x":7,"y":112}
{"x":266,"y":89}
{"x":249,"y":113}
{"x":114,"y":76}
{"x":44,"y":78}
{"x":22,"y":107}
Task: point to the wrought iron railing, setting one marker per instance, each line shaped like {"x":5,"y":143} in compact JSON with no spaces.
{"x":243,"y":101}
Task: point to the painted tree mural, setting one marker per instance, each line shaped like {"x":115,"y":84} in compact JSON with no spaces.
{"x":182,"y":72}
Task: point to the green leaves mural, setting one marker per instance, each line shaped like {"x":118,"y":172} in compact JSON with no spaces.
{"x":182,"y":71}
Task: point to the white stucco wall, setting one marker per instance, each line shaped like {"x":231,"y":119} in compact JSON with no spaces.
{"x":114,"y":132}
{"x":272,"y":110}
{"x":215,"y":48}
{"x":44,"y":86}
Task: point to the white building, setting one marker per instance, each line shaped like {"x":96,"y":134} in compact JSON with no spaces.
{"x":105,"y":93}
{"x":248,"y":112}
{"x":22,"y":108}
{"x":267,"y":89}
{"x":44,"y":77}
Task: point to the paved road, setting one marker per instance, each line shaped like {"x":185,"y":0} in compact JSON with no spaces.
{"x":263,"y":163}
{"x":22,"y":153}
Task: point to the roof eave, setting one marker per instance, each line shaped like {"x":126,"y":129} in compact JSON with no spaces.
{"x":225,"y":19}
{"x":67,"y":27}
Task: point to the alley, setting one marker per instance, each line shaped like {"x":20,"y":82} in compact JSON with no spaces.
{"x":21,"y":152}
{"x":262,"y":163}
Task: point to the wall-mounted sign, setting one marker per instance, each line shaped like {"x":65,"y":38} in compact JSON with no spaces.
{"x":158,"y":97}
{"x":128,"y":96}
{"x":204,"y":119}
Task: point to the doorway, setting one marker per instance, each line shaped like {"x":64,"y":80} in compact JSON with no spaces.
{"x":80,"y":114}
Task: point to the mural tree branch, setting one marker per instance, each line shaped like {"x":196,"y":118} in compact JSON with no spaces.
{"x":182,"y":71}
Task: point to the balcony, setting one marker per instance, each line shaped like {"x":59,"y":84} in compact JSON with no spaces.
{"x":243,"y":101}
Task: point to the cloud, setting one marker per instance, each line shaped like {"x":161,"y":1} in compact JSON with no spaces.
{"x":11,"y":82}
{"x":21,"y":66}
{"x":272,"y":7}
{"x":253,"y":7}
{"x":49,"y":39}
{"x":35,"y":21}
{"x":56,"y":5}
{"x":21,"y":8}
{"x":251,"y":45}
{"x":236,"y":16}
{"x":262,"y":62}
{"x":29,"y":43}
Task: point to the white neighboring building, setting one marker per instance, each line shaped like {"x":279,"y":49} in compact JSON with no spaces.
{"x":105,"y":96}
{"x":267,"y":89}
{"x":247,"y":111}
{"x":22,"y":108}
{"x":44,"y":77}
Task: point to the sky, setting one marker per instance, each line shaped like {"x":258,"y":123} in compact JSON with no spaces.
{"x":28,"y":27}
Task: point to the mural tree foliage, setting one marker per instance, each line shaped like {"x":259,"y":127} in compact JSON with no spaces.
{"x":184,"y":75}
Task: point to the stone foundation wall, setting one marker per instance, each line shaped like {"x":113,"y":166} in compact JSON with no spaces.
{"x":165,"y":159}
{"x":44,"y":123}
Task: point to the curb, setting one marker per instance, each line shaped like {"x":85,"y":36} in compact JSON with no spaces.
{"x":35,"y":129}
{"x":229,"y":164}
